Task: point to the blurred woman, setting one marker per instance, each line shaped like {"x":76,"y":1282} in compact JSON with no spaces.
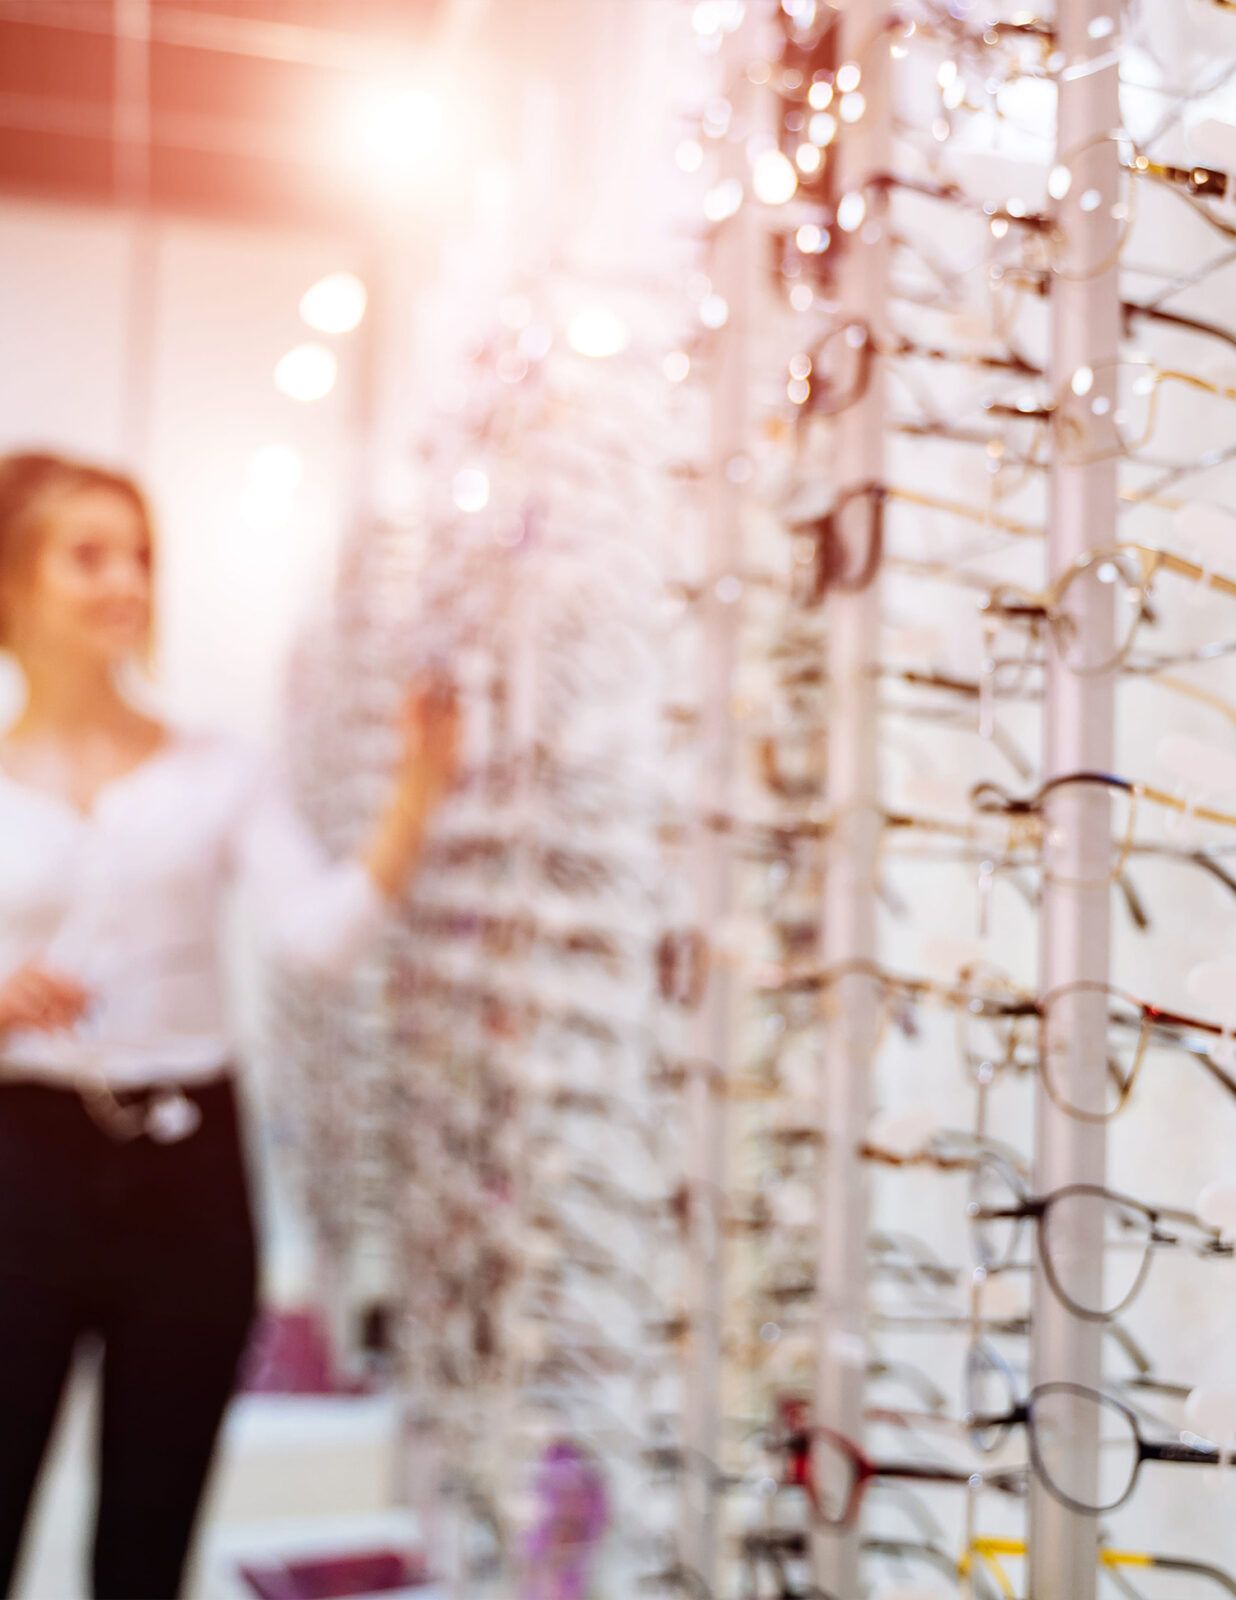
{"x":124,"y":1199}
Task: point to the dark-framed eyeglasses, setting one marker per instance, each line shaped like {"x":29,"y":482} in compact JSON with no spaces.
{"x":1087,"y":1448}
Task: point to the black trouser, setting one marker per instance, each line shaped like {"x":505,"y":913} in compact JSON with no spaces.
{"x":150,"y":1247}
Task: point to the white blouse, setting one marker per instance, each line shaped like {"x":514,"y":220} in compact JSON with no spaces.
{"x":128,"y":901}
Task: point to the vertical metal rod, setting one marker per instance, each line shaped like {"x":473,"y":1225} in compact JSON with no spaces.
{"x":1079,"y":711}
{"x":732,"y":267}
{"x":849,"y":911}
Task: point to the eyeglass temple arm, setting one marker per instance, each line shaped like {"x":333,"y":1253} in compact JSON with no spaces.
{"x":1195,"y":1569}
{"x":920,"y":1472}
{"x":1144,"y":1382}
{"x":1104,"y":780}
{"x":983,"y":1561}
{"x":1133,"y":902}
{"x":1019,"y":804}
{"x":910,"y":1420}
{"x":1137,"y":1357}
{"x":1175,"y":1215}
{"x":1190,"y":569}
{"x":1178,"y":1019}
{"x":953,"y":194}
{"x":995,"y":1545}
{"x":1028,"y":1208}
{"x":1016,"y":1418}
{"x":912,"y":1549}
{"x":1199,"y":1055}
{"x":1120,"y":1581}
{"x":1207,"y":863}
{"x":1156,"y":1450}
{"x":1006,"y":600}
{"x":913,"y":1377}
{"x":1131,"y":310}
{"x":1218,"y":1073}
{"x":1010,"y":361}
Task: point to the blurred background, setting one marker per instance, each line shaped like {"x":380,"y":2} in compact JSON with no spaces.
{"x":536,"y":339}
{"x":248,"y":247}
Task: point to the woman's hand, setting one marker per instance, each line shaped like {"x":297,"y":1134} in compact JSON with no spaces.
{"x":427,"y":768}
{"x":429,"y":723}
{"x":34,"y":997}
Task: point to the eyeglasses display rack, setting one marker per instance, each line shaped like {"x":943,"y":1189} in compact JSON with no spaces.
{"x":791,"y":1121}
{"x":1078,"y":716}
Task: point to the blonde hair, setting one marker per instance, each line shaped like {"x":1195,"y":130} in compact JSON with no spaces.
{"x":32,"y":483}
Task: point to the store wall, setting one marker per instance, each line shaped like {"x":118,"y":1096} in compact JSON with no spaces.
{"x":236,"y":575}
{"x":240,"y":573}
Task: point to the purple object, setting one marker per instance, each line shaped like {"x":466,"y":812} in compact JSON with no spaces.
{"x":561,"y":1548}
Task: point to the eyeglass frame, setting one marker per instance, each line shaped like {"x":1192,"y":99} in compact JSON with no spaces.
{"x":1011,"y":603}
{"x":1037,"y":1207}
{"x":1022,"y":1415}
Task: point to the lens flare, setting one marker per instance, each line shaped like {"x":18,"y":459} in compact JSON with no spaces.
{"x":335,"y":303}
{"x":306,"y":373}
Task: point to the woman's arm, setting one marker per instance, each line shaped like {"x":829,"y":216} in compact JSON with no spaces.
{"x":427,"y":766}
{"x":320,"y":914}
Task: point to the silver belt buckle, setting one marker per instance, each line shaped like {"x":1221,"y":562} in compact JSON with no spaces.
{"x":171,"y":1116}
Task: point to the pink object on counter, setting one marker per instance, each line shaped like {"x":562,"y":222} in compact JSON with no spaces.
{"x":333,"y":1577}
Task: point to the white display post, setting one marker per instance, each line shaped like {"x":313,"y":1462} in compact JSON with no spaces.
{"x":1079,"y":711}
{"x":732,"y":266}
{"x":849,"y":911}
